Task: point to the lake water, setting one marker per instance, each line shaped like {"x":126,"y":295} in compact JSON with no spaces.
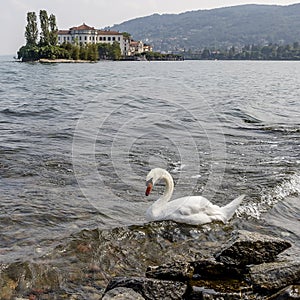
{"x":77,"y":141}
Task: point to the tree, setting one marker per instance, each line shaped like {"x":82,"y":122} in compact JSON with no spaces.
{"x":31,"y":30}
{"x":115,"y":51}
{"x":45,"y":33}
{"x":28,"y":53}
{"x":83,"y":54}
{"x":109,"y":51}
{"x":75,"y":52}
{"x":53,"y":30}
{"x":103,"y":50}
{"x":126,"y":35}
{"x":92,"y":52}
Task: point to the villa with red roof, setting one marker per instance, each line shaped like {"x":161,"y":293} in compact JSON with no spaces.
{"x":84,"y":34}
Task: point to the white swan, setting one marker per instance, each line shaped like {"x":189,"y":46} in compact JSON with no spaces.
{"x":195,"y":210}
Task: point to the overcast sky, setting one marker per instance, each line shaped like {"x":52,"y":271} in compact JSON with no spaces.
{"x":96,"y":13}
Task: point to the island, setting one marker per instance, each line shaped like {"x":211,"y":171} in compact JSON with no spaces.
{"x":81,"y":43}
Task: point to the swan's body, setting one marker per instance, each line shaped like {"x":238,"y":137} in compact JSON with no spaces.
{"x":194,"y":210}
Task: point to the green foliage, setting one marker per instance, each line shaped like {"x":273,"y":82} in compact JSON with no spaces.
{"x":88,"y":52}
{"x":218,"y":28}
{"x":53,"y":30}
{"x":33,"y":53}
{"x":28,"y":53}
{"x":31,"y":30}
{"x":115,"y":51}
{"x":92,"y":52}
{"x":53,"y":52}
{"x":126,"y":35}
{"x":109,"y":51}
{"x":159,"y":56}
{"x":83,"y":53}
{"x":75,"y":52}
{"x":103,"y":50}
{"x":48,"y":48}
{"x":253,"y":52}
{"x":45,"y":33}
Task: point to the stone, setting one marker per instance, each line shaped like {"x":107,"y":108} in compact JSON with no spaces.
{"x":209,"y":294}
{"x":246,"y":248}
{"x":288,"y":293}
{"x":122,"y":293}
{"x":180,"y":271}
{"x":274,"y":276}
{"x":210,"y":269}
{"x":150,"y":289}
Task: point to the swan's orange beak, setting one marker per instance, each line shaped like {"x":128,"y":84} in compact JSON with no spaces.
{"x":149,"y":188}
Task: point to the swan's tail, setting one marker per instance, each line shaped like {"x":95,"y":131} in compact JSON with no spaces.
{"x":229,"y":209}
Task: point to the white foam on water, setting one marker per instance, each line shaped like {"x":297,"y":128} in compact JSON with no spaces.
{"x":290,"y":186}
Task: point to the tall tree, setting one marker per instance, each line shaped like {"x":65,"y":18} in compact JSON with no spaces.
{"x":31,"y":30}
{"x":53,"y":30}
{"x":115,"y":52}
{"x":45,"y":33}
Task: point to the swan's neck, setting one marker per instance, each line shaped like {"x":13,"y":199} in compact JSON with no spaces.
{"x":156,"y":208}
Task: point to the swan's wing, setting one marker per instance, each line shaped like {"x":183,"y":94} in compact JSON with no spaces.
{"x":189,"y":207}
{"x":193,"y":214}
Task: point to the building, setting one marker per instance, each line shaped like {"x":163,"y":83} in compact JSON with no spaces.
{"x":137,"y":47}
{"x":85,"y":34}
{"x":148,"y":48}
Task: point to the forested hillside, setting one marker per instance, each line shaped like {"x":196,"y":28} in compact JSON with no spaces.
{"x":223,"y":27}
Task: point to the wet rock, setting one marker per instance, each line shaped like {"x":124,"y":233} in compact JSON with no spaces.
{"x":201,"y":269}
{"x":7,"y":289}
{"x":214,"y":280}
{"x":274,"y":276}
{"x":122,"y":293}
{"x":246,"y":248}
{"x":150,"y":289}
{"x":197,"y":293}
{"x":288,"y":293}
{"x":180,"y":271}
{"x":210,"y":269}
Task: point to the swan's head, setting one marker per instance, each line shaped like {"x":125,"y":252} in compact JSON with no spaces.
{"x":153,"y":176}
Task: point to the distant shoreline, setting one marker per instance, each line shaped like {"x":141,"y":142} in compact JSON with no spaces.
{"x":49,"y":61}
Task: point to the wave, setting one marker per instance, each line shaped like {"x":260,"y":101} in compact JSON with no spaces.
{"x":26,"y":113}
{"x":288,"y":187}
{"x":282,"y":129}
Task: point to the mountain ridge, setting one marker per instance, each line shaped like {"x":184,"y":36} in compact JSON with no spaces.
{"x":219,"y":27}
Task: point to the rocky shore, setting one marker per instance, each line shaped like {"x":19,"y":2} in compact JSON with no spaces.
{"x":247,"y":267}
{"x":159,"y":260}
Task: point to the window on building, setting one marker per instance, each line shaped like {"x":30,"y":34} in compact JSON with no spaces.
{"x":113,"y":38}
{"x":104,"y":38}
{"x":119,"y":38}
{"x":80,"y":38}
{"x":85,"y":38}
{"x":108,"y":38}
